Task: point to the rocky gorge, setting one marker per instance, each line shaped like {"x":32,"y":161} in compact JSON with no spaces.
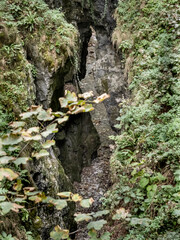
{"x":84,"y":140}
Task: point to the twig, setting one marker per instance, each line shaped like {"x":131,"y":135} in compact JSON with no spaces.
{"x":23,"y":148}
{"x":79,"y":230}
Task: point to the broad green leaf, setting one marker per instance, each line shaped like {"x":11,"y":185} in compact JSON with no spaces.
{"x":13,"y":148}
{"x":86,"y":203}
{"x":64,"y":194}
{"x":33,"y":130}
{"x":177,"y":175}
{"x":2,"y":198}
{"x":2,"y":153}
{"x":3,"y":191}
{"x":42,"y":153}
{"x":62,"y":120}
{"x":106,"y":236}
{"x":59,"y":233}
{"x":48,"y":143}
{"x":97,"y":225}
{"x":20,"y":200}
{"x":36,"y":199}
{"x":82,"y":217}
{"x":93,"y":234}
{"x":77,"y":110}
{"x":76,"y":198}
{"x":50,"y":129}
{"x":176,"y":212}
{"x":28,"y":137}
{"x":45,"y":115}
{"x":151,"y":190}
{"x":143,"y":182}
{"x":59,"y":203}
{"x":71,"y":96}
{"x":11,"y":139}
{"x":26,"y":115}
{"x":6,"y":159}
{"x":7,"y":173}
{"x":17,"y":124}
{"x":8,"y":206}
{"x":58,"y":114}
{"x":31,"y":193}
{"x":63,"y":102}
{"x":101,"y":98}
{"x":100,"y":213}
{"x":22,"y":160}
{"x":140,"y":221}
{"x":33,"y":110}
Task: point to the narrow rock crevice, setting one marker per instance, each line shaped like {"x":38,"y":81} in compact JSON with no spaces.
{"x":82,"y":146}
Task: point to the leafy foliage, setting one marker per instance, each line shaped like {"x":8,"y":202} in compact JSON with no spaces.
{"x":15,"y":193}
{"x":26,"y":24}
{"x":145,"y":165}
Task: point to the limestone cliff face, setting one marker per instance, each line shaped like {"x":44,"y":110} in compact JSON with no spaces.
{"x":101,"y":68}
{"x":51,"y":69}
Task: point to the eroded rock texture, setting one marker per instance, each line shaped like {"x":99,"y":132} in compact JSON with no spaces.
{"x":100,"y":70}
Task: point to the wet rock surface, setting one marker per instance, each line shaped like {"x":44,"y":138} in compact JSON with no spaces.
{"x":94,"y":183}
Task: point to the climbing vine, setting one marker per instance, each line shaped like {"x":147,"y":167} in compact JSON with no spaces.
{"x":15,"y":192}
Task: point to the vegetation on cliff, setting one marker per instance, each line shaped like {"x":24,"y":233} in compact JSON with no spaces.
{"x":25,"y":24}
{"x":145,"y":165}
{"x":16,"y":189}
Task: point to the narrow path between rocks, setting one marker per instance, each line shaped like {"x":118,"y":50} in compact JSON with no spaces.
{"x":94,"y":183}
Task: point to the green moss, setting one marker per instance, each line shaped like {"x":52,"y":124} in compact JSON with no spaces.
{"x":105,"y":85}
{"x":25,"y":24}
{"x":37,"y":222}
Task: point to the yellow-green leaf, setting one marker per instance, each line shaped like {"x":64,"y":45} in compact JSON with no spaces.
{"x":22,"y":160}
{"x":45,"y":115}
{"x":17,"y":124}
{"x":76,"y":198}
{"x":11,"y":139}
{"x":64,"y":194}
{"x":97,"y":225}
{"x":7,"y":173}
{"x":42,"y":153}
{"x":63,"y":102}
{"x":82,"y":217}
{"x":100,"y":213}
{"x":6,"y":159}
{"x":18,"y":185}
{"x":36,"y":199}
{"x":86,"y":203}
{"x":71,"y":96}
{"x":62,"y":120}
{"x":50,"y":129}
{"x":33,"y":110}
{"x":58,"y":114}
{"x":2,"y":153}
{"x":59,"y":203}
{"x":59,"y":233}
{"x":48,"y":144}
{"x":33,"y":129}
